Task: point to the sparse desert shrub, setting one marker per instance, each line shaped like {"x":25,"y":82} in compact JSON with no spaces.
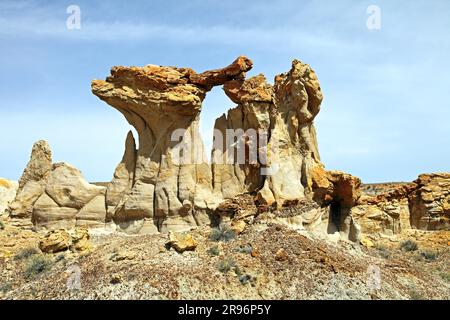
{"x":383,"y":251}
{"x":445,"y":276}
{"x":37,"y":264}
{"x":247,"y":249}
{"x":5,"y":287}
{"x":226,"y":265}
{"x":409,"y":245}
{"x":223,"y":233}
{"x":60,"y":257}
{"x":244,"y":279}
{"x":415,"y":295}
{"x":429,"y":255}
{"x":214,"y":251}
{"x":26,"y":253}
{"x":2,"y":225}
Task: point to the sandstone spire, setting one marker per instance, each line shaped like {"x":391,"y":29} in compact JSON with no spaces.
{"x":33,"y":180}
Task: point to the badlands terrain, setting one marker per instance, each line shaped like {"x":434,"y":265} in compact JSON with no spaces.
{"x":264,"y":220}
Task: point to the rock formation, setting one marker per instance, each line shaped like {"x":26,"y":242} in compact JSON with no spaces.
{"x":33,"y":180}
{"x":265,"y":164}
{"x":392,"y":208}
{"x":8,"y":190}
{"x":69,"y":201}
{"x":429,"y":204}
{"x":156,"y":190}
{"x":384,"y":208}
{"x":56,"y":195}
{"x":151,"y":189}
{"x":284,"y":113}
{"x":61,"y":240}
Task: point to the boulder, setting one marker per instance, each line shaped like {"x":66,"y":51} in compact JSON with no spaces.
{"x":182,"y":242}
{"x":281,"y":255}
{"x":55,"y":241}
{"x":80,"y":241}
{"x":60,"y":240}
{"x":122,"y":255}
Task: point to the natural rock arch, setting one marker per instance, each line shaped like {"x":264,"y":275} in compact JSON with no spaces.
{"x":151,"y":191}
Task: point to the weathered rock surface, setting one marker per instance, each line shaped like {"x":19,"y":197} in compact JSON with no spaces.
{"x":33,"y":180}
{"x":69,"y":201}
{"x":384,"y":208}
{"x":265,"y":164}
{"x":161,"y":102}
{"x":285,"y":113}
{"x":123,"y":179}
{"x":81,"y":241}
{"x":8,"y":190}
{"x":182,"y":242}
{"x":151,"y":184}
{"x":430,"y":203}
{"x":55,"y":241}
{"x":60,"y":240}
{"x":395,"y":207}
{"x":56,"y":196}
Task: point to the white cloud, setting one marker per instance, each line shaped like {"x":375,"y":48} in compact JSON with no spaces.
{"x":32,"y":25}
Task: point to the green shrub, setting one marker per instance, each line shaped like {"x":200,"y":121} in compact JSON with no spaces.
{"x":445,"y":276}
{"x":429,"y":255}
{"x":409,"y":245}
{"x":26,"y":253}
{"x":245,"y":279}
{"x":247,"y":249}
{"x":383,"y":251}
{"x":214,"y":251}
{"x":36,"y":265}
{"x":60,"y":257}
{"x":222,"y":233}
{"x":2,"y":225}
{"x":5,"y":287}
{"x":226,"y":265}
{"x":415,"y":295}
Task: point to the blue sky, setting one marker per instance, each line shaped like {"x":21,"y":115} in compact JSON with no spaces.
{"x":385,"y":116}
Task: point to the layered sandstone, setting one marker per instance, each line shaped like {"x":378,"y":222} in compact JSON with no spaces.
{"x":395,"y":207}
{"x":152,"y":189}
{"x":33,"y":180}
{"x":384,"y":208}
{"x":286,"y":149}
{"x":429,"y":204}
{"x":69,"y":200}
{"x":56,"y":195}
{"x":265,"y":163}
